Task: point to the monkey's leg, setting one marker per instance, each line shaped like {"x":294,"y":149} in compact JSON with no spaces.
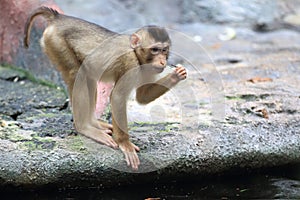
{"x":83,"y":110}
{"x":61,"y":55}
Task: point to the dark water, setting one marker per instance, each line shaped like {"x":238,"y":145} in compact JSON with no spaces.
{"x":275,"y":183}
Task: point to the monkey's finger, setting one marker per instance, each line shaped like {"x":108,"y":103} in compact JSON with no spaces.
{"x":127,"y":158}
{"x":114,"y":145}
{"x":109,"y":126}
{"x":111,"y":143}
{"x":108,"y":131}
{"x":130,"y":161}
{"x":138,"y":160}
{"x":183,"y":75}
{"x":180,"y":70}
{"x":134,"y":160}
{"x":136,"y":147}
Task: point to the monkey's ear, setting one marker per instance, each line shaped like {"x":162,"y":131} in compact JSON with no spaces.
{"x":135,"y":40}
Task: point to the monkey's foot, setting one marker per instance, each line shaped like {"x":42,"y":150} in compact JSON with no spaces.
{"x":131,"y":157}
{"x":99,"y":135}
{"x":105,"y":125}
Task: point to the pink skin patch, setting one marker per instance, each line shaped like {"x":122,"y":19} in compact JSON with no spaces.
{"x":103,"y":93}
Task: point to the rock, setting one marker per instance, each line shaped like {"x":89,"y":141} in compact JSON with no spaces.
{"x":237,"y":12}
{"x":292,"y":19}
{"x":135,"y":14}
{"x":130,"y":15}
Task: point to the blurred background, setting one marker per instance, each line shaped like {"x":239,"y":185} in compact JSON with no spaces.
{"x":120,"y":15}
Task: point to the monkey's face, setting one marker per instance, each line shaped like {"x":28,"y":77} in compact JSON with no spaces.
{"x":151,"y":45}
{"x":156,"y":56}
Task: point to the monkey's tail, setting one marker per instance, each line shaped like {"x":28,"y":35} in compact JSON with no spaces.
{"x":46,"y":12}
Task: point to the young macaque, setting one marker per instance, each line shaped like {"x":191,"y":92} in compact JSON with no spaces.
{"x":85,"y":53}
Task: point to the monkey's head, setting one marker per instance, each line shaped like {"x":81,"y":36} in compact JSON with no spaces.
{"x":151,"y":45}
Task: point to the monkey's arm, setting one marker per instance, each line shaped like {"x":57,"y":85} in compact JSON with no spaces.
{"x":120,"y":129}
{"x":149,"y":92}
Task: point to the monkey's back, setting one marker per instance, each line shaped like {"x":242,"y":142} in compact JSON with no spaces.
{"x":68,"y":41}
{"x":80,"y":36}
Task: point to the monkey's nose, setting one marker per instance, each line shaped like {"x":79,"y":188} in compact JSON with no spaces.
{"x":163,"y":63}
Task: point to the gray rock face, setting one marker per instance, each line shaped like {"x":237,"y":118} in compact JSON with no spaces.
{"x":232,"y":11}
{"x":132,"y":14}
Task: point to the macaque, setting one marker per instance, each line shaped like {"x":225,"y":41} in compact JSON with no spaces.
{"x":85,"y":53}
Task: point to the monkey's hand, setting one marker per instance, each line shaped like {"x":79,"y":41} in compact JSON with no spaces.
{"x":131,"y":157}
{"x":178,"y":74}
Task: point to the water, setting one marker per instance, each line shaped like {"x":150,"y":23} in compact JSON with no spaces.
{"x":275,"y":183}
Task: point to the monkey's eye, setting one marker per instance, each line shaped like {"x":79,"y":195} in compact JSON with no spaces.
{"x":154,"y":50}
{"x":157,"y":50}
{"x":165,"y":51}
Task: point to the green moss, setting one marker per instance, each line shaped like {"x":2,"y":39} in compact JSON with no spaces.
{"x":172,"y":127}
{"x":247,"y":97}
{"x":26,"y":74}
{"x":33,"y":142}
{"x":7,"y":73}
{"x":142,"y":124}
{"x":76,"y":144}
{"x":15,"y":137}
{"x":202,"y":103}
{"x":38,"y":143}
{"x":33,"y":145}
{"x":42,"y":115}
{"x":157,"y":127}
{"x":234,"y":98}
{"x":10,"y":133}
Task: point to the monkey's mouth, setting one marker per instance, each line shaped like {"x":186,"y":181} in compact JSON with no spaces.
{"x":158,"y":69}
